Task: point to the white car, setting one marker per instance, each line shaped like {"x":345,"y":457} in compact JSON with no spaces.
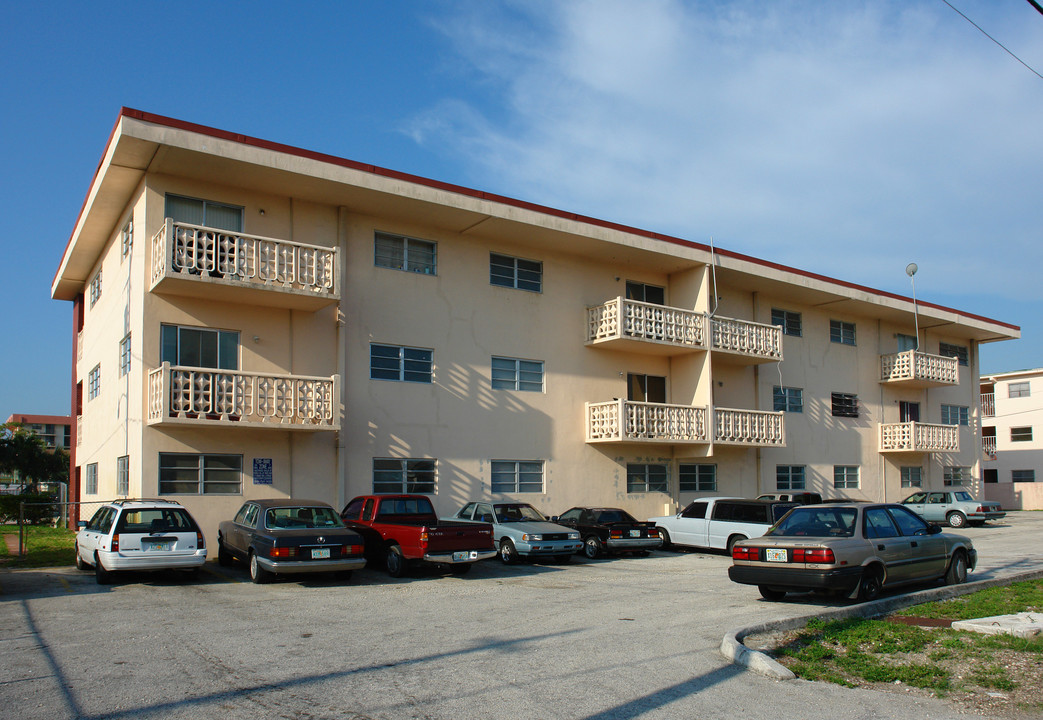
{"x":139,"y":535}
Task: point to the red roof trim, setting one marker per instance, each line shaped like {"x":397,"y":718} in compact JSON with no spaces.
{"x":470,"y":192}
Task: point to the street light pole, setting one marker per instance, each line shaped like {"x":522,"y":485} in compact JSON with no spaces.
{"x":910,"y":270}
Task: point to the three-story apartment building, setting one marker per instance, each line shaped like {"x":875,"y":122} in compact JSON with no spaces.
{"x":1012,"y":438}
{"x":253,"y":319}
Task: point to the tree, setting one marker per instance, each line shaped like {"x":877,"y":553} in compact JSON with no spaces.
{"x":24,"y":452}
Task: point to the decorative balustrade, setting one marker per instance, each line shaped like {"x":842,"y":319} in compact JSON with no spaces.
{"x":746,"y":338}
{"x":622,"y":319}
{"x":988,"y":405}
{"x":79,"y":430}
{"x":915,"y":367}
{"x":988,"y":446}
{"x":627,"y":421}
{"x":754,"y":428}
{"x":919,"y":437}
{"x":206,"y":254}
{"x":230,"y":397}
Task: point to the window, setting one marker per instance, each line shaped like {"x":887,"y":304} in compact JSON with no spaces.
{"x":955,"y":475}
{"x":841,"y":332}
{"x":957,"y":351}
{"x":94,"y":382}
{"x":1023,"y":476}
{"x":92,"y":479}
{"x":403,"y":475}
{"x":199,"y":347}
{"x":845,"y":477}
{"x":955,"y":415}
{"x":404,"y":253}
{"x":908,"y":411}
{"x":912,"y":476}
{"x":788,"y":399}
{"x":646,"y":293}
{"x":845,"y":405}
{"x":646,"y":388}
{"x":789,"y":321}
{"x":1021,"y":434}
{"x":789,"y":477}
{"x":697,"y":478}
{"x":516,"y":273}
{"x":906,"y":342}
{"x":204,"y":212}
{"x":123,"y":475}
{"x":95,"y":289}
{"x":192,"y":474}
{"x":646,"y":478}
{"x":126,"y":240}
{"x":403,"y":364}
{"x":1018,"y":390}
{"x":125,"y":355}
{"x":517,"y":476}
{"x":515,"y":374}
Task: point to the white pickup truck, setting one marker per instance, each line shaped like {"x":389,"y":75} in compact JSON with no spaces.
{"x":720,"y":522}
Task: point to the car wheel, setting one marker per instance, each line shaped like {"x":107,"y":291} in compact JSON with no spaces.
{"x":103,"y":576}
{"x":80,"y":565}
{"x":592,"y":547}
{"x":224,"y":558}
{"x":508,"y":553}
{"x":871,"y":585}
{"x":734,"y":539}
{"x":257,"y":573}
{"x":396,"y":561}
{"x":666,"y":539}
{"x":956,"y":519}
{"x":460,"y":568}
{"x":769,"y":594}
{"x":957,"y":573}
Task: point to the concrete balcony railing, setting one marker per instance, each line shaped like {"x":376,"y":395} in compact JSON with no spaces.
{"x":746,"y":341}
{"x":646,"y":327}
{"x":205,"y":262}
{"x":919,"y":369}
{"x":627,"y":421}
{"x":988,"y":405}
{"x":751,"y":428}
{"x":919,"y":437}
{"x":231,"y":398}
{"x":988,"y":446}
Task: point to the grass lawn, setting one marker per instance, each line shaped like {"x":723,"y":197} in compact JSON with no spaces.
{"x":45,"y":547}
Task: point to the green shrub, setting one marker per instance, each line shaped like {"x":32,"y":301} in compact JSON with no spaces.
{"x":35,"y":513}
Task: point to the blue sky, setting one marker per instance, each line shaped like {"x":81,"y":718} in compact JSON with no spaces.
{"x":844,"y":138}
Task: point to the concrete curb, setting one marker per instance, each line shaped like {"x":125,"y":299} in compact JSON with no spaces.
{"x":732,"y":647}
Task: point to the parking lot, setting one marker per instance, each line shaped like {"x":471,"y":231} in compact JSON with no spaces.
{"x":611,"y":638}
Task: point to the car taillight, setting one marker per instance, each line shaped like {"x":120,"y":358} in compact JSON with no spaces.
{"x":745,"y":553}
{"x":283,"y":552}
{"x":653,"y":532}
{"x":115,"y":543}
{"x":616,"y":533}
{"x":351,"y":550}
{"x":813,"y":555}
{"x":200,"y":542}
{"x":423,"y":539}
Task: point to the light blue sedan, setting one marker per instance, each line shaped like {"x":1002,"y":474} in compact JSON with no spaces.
{"x":521,"y":531}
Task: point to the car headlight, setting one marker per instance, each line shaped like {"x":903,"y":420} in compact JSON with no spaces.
{"x":574,"y":536}
{"x":531,"y":538}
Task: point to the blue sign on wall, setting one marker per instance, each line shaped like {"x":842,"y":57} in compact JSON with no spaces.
{"x":262,"y":471}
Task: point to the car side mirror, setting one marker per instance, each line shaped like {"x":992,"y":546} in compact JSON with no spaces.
{"x":933,"y":529}
{"x":554,"y":518}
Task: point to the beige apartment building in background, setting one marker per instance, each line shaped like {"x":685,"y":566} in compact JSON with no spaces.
{"x":1012,"y":438}
{"x":255,"y":320}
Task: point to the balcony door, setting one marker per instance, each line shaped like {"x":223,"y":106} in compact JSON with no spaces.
{"x":646,"y":293}
{"x":909,"y":411}
{"x":199,"y":347}
{"x":646,"y":388}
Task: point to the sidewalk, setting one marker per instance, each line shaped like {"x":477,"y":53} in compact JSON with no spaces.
{"x":12,"y":543}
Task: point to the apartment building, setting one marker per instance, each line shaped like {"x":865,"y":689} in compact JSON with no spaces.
{"x":1012,"y":438}
{"x":252,"y":319}
{"x":54,"y":430}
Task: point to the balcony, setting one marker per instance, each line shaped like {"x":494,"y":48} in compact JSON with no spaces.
{"x":919,"y":437}
{"x":916,"y":369}
{"x":642,"y":422}
{"x":988,"y":446}
{"x":749,"y":428}
{"x":636,"y":326}
{"x":236,"y":267}
{"x":745,"y":342}
{"x":988,"y":405}
{"x":187,"y":396}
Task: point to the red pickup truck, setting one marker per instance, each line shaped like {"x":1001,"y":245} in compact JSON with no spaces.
{"x":403,"y":529}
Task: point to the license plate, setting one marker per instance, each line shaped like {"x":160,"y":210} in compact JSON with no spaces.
{"x":776,"y":556}
{"x":635,"y":533}
{"x":163,"y":545}
{"x":461,"y":556}
{"x":320,"y":553}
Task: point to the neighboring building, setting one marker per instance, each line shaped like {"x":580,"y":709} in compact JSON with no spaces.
{"x":1012,"y":438}
{"x":56,"y":432}
{"x":252,"y":319}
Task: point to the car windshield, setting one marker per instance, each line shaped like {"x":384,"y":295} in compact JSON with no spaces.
{"x":517,"y":513}
{"x":612,"y":516}
{"x":301,"y":517}
{"x":811,"y":521}
{"x":964,"y":496}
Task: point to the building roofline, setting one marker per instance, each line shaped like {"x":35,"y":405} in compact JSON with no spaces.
{"x":1010,"y":374}
{"x":39,"y":419}
{"x":269,"y":145}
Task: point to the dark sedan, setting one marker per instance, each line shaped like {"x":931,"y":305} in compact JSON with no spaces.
{"x":276,"y":537}
{"x":611,"y":530}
